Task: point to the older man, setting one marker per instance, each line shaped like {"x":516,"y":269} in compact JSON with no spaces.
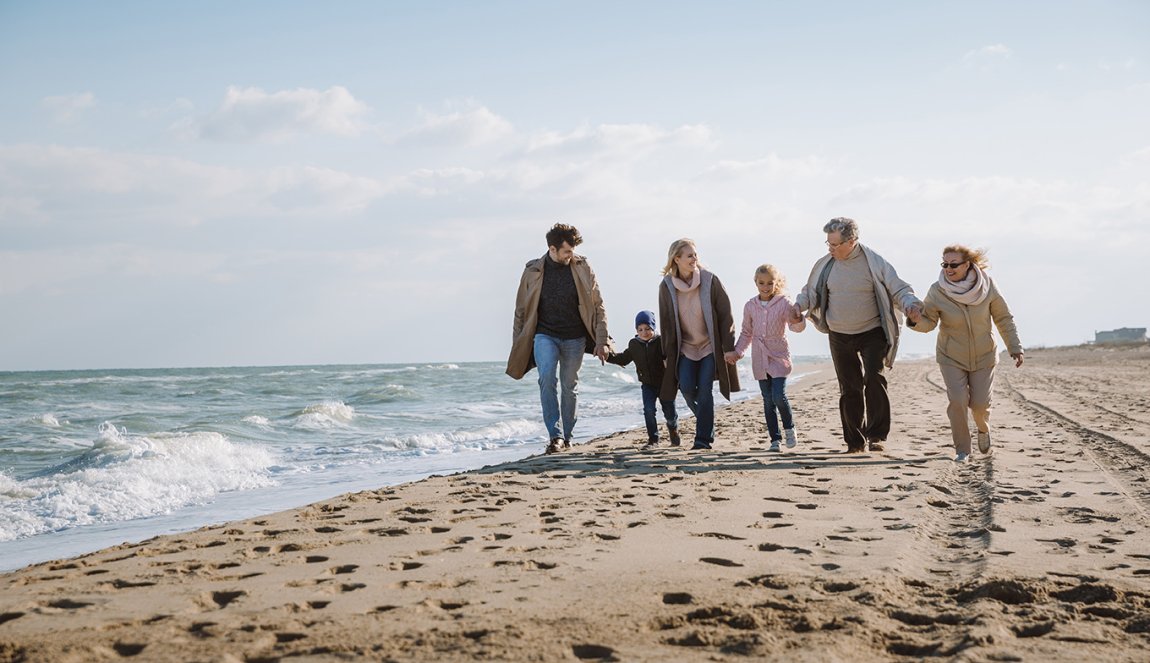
{"x":559,"y":315}
{"x":855,"y":296}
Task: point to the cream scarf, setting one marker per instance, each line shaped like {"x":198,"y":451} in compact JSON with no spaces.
{"x":971,"y":290}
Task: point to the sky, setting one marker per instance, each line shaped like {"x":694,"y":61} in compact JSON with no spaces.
{"x":272,"y":183}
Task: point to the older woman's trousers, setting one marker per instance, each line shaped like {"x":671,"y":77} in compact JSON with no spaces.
{"x":967,"y":390}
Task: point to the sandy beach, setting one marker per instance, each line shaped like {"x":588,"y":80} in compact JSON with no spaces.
{"x":1039,"y":551}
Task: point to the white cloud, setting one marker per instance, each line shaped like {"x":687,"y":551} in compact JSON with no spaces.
{"x":771,"y":166}
{"x":618,"y":140}
{"x":63,"y":185}
{"x":1122,"y":65}
{"x":67,"y":107}
{"x":988,"y":57}
{"x":470,"y":127}
{"x":250,"y":114}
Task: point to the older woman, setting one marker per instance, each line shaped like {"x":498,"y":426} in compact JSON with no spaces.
{"x":963,"y":304}
{"x":698,"y":328}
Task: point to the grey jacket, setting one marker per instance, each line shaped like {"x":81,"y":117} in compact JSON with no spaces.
{"x":893,"y":295}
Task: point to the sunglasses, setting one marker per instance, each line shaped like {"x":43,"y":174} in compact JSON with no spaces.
{"x":953,"y":265}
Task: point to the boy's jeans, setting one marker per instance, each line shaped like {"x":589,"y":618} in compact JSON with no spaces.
{"x":650,"y":396}
{"x":558,"y":361}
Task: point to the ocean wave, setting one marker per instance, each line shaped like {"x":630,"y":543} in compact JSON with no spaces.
{"x":325,"y":415}
{"x":122,"y":477}
{"x":257,"y":420}
{"x":49,"y":420}
{"x":388,"y":393}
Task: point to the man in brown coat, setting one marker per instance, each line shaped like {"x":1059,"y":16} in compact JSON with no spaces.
{"x":559,"y":315}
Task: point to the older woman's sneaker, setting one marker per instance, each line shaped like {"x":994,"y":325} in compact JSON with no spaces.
{"x":984,"y":441}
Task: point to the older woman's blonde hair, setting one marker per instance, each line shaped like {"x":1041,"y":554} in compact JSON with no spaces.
{"x":776,"y":276}
{"x":975,"y":256}
{"x":676,"y":247}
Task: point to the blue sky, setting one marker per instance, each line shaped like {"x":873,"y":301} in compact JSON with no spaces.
{"x":297,"y":183}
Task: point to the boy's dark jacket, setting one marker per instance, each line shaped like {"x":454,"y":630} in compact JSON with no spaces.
{"x":648,"y":358}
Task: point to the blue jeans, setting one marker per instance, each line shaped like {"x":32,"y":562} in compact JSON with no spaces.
{"x":558,"y":361}
{"x":696,"y":383}
{"x":650,"y":396}
{"x":775,"y":398}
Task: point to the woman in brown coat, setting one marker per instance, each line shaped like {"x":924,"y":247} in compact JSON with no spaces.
{"x":698,"y":328}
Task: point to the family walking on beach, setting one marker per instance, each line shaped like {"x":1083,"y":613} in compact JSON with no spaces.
{"x":852,"y":294}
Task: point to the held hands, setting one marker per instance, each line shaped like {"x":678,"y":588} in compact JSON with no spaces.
{"x":1017,"y":359}
{"x":731,"y":357}
{"x":601,"y":353}
{"x":914,"y":313}
{"x":796,"y":313}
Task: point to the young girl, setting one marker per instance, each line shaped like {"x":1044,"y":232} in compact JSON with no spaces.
{"x":765,"y":318}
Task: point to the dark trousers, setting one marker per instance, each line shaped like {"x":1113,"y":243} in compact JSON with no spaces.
{"x":650,"y":397}
{"x":864,"y":405}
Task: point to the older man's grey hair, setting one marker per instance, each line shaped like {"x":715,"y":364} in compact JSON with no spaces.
{"x":846,"y":228}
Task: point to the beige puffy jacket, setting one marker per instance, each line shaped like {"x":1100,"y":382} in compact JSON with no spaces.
{"x":965,"y":334}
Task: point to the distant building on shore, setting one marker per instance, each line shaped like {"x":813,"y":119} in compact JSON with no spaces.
{"x":1124,"y":335}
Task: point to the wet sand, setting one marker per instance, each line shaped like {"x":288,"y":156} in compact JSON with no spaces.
{"x":1039,"y":551}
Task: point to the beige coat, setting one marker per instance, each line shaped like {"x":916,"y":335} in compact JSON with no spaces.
{"x":965,"y":336}
{"x":591,"y":310}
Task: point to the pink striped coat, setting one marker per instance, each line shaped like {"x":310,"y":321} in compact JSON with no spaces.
{"x":765,"y":327}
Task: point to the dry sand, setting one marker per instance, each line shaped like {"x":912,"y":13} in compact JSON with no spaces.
{"x":1038,"y":552}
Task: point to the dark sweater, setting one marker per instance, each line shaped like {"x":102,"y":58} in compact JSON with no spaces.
{"x":648,"y":358}
{"x":559,"y":303}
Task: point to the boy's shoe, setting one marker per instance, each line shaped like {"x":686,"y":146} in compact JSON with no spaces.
{"x":775,"y":445}
{"x":651,"y":444}
{"x":984,"y":441}
{"x":553,"y":447}
{"x":700,"y":445}
{"x":673,"y":433}
{"x":961,"y":457}
{"x":791,"y":439}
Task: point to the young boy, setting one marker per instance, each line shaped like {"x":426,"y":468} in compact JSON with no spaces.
{"x":647,"y":352}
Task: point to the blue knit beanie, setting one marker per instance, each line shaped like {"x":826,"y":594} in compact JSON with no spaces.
{"x":645,"y":318}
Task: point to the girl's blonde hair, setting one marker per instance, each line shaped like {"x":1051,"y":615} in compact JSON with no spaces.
{"x":975,"y":256}
{"x":776,"y":276}
{"x":673,"y":252}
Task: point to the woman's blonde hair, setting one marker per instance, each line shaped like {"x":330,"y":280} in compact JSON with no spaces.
{"x":975,"y":256}
{"x":776,"y":276}
{"x":673,"y":252}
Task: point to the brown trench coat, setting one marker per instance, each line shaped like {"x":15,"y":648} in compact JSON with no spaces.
{"x":591,"y":310}
{"x":721,"y":328}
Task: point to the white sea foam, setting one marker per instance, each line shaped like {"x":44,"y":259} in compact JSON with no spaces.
{"x":122,"y":476}
{"x":326,"y":415}
{"x":257,"y":420}
{"x":49,"y":420}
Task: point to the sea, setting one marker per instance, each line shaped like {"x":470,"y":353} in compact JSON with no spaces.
{"x":94,"y":458}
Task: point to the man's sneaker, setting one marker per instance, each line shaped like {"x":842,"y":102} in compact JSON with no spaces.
{"x":553,"y":447}
{"x":855,"y":450}
{"x":961,"y":457}
{"x":774,"y":446}
{"x":984,"y":441}
{"x":651,"y":444}
{"x":789,"y":433}
{"x":876,"y":445}
{"x":673,"y":433}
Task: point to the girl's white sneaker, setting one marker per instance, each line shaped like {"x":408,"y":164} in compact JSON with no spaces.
{"x":791,"y":439}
